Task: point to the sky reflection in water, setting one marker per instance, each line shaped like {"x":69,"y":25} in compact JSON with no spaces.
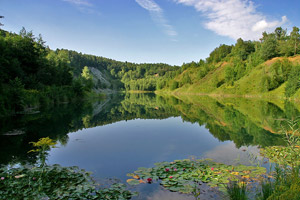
{"x":120,"y":148}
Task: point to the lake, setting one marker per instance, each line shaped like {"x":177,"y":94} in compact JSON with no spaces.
{"x":117,"y":135}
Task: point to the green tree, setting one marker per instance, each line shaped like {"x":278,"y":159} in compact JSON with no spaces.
{"x":160,"y":84}
{"x":86,"y":74}
{"x":16,"y":94}
{"x":78,"y":88}
{"x":265,"y":83}
{"x":293,"y":81}
{"x":295,"y":39}
{"x":203,"y":70}
{"x":113,"y":72}
{"x":269,"y":46}
{"x":173,"y":85}
{"x":219,"y":53}
{"x":229,"y":75}
{"x":87,"y":78}
{"x":242,"y":49}
{"x":186,"y":79}
{"x":280,"y":33}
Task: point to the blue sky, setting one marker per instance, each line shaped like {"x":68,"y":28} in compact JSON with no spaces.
{"x":168,"y":31}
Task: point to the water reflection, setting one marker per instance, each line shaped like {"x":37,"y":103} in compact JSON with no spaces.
{"x":227,"y":153}
{"x":55,"y":123}
{"x":115,"y":136}
{"x":224,"y":119}
{"x":117,"y":149}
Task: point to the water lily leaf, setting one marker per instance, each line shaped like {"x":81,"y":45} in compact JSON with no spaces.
{"x":136,"y":176}
{"x":190,"y":172}
{"x":133,"y":182}
{"x":130,"y":174}
{"x":142,"y":181}
{"x":175,"y":189}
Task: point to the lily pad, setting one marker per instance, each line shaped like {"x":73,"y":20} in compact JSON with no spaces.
{"x":182,"y":175}
{"x":133,"y":182}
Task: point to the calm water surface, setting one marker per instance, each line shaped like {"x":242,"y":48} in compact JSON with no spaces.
{"x":118,"y":135}
{"x":117,"y":149}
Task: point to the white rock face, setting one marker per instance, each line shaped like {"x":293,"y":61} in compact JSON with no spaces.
{"x":97,"y":75}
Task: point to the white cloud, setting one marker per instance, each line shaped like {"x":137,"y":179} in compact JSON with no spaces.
{"x":84,"y":6}
{"x":79,"y":2}
{"x":233,"y":18}
{"x":158,"y":16}
{"x":149,"y":5}
{"x":263,"y":25}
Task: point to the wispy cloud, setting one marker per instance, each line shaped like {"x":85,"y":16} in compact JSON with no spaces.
{"x":234,"y":18}
{"x":79,"y":2}
{"x":84,"y":6}
{"x":157,"y":15}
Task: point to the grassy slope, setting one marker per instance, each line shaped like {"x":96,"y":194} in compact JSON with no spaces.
{"x":205,"y":85}
{"x":249,"y":85}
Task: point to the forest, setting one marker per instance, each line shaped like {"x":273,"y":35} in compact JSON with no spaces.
{"x":33,"y":75}
{"x":269,"y":67}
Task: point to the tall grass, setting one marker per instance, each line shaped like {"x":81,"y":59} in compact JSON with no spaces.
{"x":237,"y":191}
{"x":283,"y":182}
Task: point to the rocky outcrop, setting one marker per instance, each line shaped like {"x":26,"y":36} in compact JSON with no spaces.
{"x":98,"y":76}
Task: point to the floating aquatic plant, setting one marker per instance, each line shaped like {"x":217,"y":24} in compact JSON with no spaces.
{"x":191,"y":172}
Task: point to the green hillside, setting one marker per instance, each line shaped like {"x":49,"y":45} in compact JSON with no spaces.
{"x":118,"y":75}
{"x":251,"y":84}
{"x":269,"y":68}
{"x":33,"y":75}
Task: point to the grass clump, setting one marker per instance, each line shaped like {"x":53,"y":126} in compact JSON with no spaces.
{"x":285,"y":178}
{"x":237,"y":191}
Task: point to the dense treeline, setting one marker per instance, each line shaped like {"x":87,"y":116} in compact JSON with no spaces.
{"x":32,"y":75}
{"x":227,"y":64}
{"x":122,"y":75}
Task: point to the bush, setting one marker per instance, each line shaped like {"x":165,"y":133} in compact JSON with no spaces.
{"x":173,"y":85}
{"x":293,"y":81}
